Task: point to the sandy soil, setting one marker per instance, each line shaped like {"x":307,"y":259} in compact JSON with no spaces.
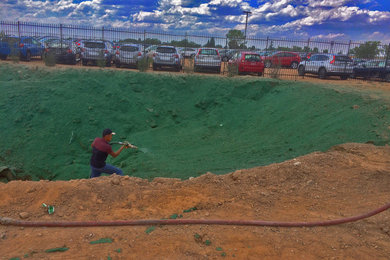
{"x":348,"y":180}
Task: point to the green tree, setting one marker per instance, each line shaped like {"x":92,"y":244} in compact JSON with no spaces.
{"x":367,"y":50}
{"x":184,"y":43}
{"x":236,"y":39}
{"x":315,"y":50}
{"x":210,"y":43}
{"x":325,"y":51}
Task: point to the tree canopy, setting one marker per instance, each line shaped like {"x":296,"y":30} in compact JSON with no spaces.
{"x":367,"y":50}
{"x":236,"y":39}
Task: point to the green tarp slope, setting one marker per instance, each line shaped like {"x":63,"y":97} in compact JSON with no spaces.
{"x":185,"y":125}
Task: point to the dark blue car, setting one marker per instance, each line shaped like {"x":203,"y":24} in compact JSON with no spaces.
{"x":24,"y":47}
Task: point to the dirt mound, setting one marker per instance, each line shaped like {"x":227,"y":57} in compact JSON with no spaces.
{"x":348,"y":180}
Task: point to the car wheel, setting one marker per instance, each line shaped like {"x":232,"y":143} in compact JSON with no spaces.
{"x":387,"y":77}
{"x":322,"y":73}
{"x":301,"y":70}
{"x":117,"y":64}
{"x":260,"y":74}
{"x":268,"y":64}
{"x":294,"y":65}
{"x":3,"y":57}
{"x":344,"y":77}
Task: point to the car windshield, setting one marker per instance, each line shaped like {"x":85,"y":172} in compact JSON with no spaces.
{"x":129,"y":48}
{"x":58,"y":44}
{"x":252,"y":57}
{"x":208,"y":52}
{"x":94,"y":45}
{"x":10,"y":40}
{"x":165,"y":50}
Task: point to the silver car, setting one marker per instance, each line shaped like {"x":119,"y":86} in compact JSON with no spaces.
{"x":95,"y":50}
{"x":166,"y":56}
{"x":325,"y":65}
{"x":207,"y":58}
{"x":128,"y":54}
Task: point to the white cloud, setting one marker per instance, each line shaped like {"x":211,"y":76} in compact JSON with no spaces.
{"x":327,"y":3}
{"x":329,"y":36}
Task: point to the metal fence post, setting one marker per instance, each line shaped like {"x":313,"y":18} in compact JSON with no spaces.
{"x":144,"y":41}
{"x":266,"y":45}
{"x":349,"y":47}
{"x":387,"y":55}
{"x":61,"y":36}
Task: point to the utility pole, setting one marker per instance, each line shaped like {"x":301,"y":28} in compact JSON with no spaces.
{"x":246,"y":20}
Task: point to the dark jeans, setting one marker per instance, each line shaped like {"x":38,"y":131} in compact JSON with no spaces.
{"x":109,"y":169}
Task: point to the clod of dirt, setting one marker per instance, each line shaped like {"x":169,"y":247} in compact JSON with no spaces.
{"x":24,"y":215}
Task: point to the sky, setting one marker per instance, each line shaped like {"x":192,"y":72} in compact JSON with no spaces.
{"x":357,"y":20}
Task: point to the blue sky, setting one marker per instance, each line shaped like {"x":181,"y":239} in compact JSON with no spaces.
{"x":358,"y":20}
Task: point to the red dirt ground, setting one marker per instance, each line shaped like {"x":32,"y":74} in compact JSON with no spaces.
{"x":348,"y":180}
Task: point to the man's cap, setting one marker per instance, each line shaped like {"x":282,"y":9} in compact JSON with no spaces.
{"x":107,"y":131}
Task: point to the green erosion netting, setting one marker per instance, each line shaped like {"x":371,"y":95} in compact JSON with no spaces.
{"x":185,"y":125}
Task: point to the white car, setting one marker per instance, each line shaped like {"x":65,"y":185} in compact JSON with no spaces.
{"x":325,"y":64}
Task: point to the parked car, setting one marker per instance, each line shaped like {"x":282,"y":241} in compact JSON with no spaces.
{"x":166,"y":56}
{"x":282,"y":58}
{"x":128,"y":54}
{"x":325,"y":65}
{"x":188,"y":52}
{"x":63,"y":51}
{"x":372,"y":69}
{"x":247,"y":62}
{"x":94,"y":51}
{"x":24,"y":47}
{"x":207,"y":58}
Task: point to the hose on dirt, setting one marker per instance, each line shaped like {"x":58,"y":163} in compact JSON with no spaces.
{"x":12,"y":222}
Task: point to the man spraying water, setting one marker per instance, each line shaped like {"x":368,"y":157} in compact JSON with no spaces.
{"x":101,"y":148}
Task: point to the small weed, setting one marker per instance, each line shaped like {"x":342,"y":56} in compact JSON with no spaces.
{"x":49,"y":59}
{"x":232,"y":70}
{"x":144,"y":64}
{"x":274,"y":71}
{"x":101,"y":62}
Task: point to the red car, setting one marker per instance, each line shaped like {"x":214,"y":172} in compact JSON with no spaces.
{"x":247,"y":62}
{"x":283,"y":58}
